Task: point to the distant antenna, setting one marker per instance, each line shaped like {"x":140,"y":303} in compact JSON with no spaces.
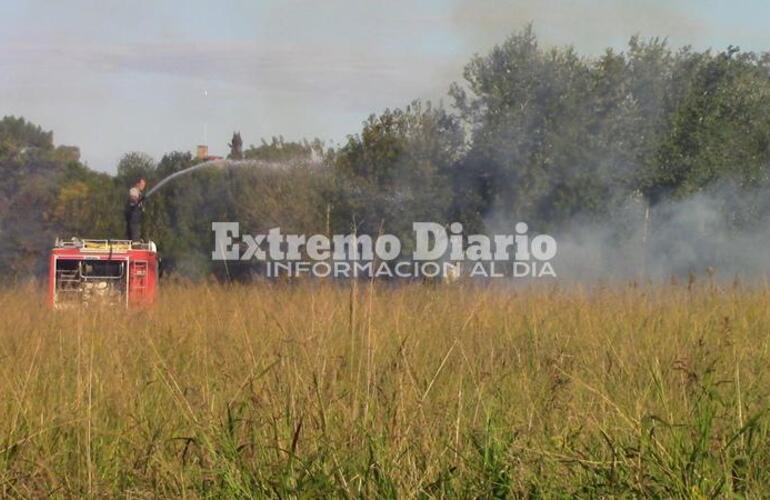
{"x":205,"y":123}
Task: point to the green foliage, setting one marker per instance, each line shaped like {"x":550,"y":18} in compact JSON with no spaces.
{"x":555,"y":135}
{"x":398,"y":170}
{"x":280,"y":150}
{"x":720,"y":129}
{"x":236,"y":147}
{"x":18,"y":136}
{"x":542,"y":135}
{"x":134,"y":165}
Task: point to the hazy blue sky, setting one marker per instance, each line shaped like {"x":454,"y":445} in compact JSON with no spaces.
{"x":116,"y":76}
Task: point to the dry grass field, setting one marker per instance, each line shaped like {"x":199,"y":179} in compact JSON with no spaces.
{"x":321,"y":390}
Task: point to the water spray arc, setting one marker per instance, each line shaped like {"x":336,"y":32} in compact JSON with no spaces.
{"x":213,"y":163}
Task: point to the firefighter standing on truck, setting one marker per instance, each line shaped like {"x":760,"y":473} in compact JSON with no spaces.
{"x":135,"y":210}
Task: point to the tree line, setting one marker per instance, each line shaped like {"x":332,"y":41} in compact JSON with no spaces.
{"x":544,"y":135}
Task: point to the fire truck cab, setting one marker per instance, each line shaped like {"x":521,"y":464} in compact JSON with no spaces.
{"x":109,"y":272}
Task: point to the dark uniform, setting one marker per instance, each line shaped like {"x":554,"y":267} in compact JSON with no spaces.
{"x":133,"y":212}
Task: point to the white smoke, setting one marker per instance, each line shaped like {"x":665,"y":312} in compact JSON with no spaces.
{"x":722,"y":233}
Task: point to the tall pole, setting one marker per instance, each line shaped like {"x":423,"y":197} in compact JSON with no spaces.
{"x":638,"y":196}
{"x":205,"y":114}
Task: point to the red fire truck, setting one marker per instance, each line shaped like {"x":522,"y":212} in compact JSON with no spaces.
{"x":111,"y":272}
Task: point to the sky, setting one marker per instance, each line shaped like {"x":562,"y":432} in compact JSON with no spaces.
{"x":156,"y":76}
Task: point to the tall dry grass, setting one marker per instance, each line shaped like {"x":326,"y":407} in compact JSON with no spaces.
{"x":317,"y":390}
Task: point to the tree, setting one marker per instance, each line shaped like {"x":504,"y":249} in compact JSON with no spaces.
{"x":530,"y":116}
{"x":16,"y":134}
{"x":135,"y":165}
{"x":279,"y":150}
{"x":398,"y":170}
{"x":236,"y":147}
{"x":720,"y":128}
